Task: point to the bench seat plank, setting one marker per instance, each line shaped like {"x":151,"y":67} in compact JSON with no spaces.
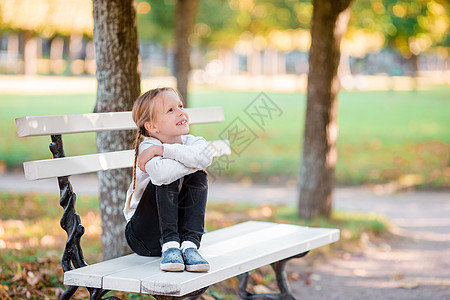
{"x":230,"y":251}
{"x":130,"y":279}
{"x":96,"y":122}
{"x":265,"y":252}
{"x":92,"y":275}
{"x":253,"y":251}
{"x":66,"y":166}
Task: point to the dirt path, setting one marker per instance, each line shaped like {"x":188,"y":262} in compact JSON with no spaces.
{"x":414,"y":265}
{"x":406,"y":269}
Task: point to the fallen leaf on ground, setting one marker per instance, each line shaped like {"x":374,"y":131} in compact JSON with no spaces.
{"x":294,"y":276}
{"x":257,"y":278}
{"x":409,"y":285}
{"x":208,"y":297}
{"x":261,"y":289}
{"x":32,"y":279}
{"x":360,"y":272}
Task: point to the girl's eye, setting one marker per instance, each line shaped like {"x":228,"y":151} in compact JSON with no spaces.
{"x":170,"y":110}
{"x":180,"y":106}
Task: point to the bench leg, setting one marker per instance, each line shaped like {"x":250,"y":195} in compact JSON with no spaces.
{"x":278,"y":267}
{"x":192,"y":296}
{"x":71,"y":223}
{"x":195,"y":295}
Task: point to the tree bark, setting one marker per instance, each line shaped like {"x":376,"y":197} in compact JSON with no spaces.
{"x":316,"y":178}
{"x":75,"y":42}
{"x":413,"y":61}
{"x":57,"y":55}
{"x":185,"y":15}
{"x":118,"y":77}
{"x":29,"y":53}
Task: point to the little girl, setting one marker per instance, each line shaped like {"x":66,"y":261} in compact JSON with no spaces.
{"x":165,"y":207}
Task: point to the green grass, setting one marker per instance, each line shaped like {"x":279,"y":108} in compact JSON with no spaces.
{"x":14,"y":151}
{"x":383,"y":135}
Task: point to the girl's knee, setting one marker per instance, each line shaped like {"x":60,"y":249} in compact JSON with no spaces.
{"x":170,"y":186}
{"x":200,"y":175}
{"x":197,"y":180}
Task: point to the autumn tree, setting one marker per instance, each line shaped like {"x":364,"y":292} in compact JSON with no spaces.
{"x":316,"y":179}
{"x":185,"y":15}
{"x":68,"y":18}
{"x":118,"y":77}
{"x":409,"y":27}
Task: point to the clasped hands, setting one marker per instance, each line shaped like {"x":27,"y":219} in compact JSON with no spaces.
{"x":148,"y":154}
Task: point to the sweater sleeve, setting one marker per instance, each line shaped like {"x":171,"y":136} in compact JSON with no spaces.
{"x":162,"y":170}
{"x":193,"y":154}
{"x":165,"y":170}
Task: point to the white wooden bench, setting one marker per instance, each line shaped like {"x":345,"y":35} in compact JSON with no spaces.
{"x":231,"y":251}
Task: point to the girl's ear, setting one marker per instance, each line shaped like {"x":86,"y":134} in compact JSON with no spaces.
{"x":149,"y":126}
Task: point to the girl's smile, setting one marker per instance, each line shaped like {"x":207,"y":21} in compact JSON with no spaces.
{"x":182,"y":123}
{"x":171,"y":120}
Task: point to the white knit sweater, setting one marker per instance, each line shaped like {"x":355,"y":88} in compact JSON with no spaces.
{"x":178,"y":160}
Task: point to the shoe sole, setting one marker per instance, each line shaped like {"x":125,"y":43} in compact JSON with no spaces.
{"x":172,"y":267}
{"x":197,"y":268}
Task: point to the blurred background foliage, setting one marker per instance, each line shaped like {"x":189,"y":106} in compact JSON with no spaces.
{"x":394,"y":67}
{"x":407,"y":28}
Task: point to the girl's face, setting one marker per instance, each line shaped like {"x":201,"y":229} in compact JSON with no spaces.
{"x":171,"y":121}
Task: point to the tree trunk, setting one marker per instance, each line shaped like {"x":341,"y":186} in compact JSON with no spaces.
{"x":13,"y":45}
{"x":254,"y":63}
{"x":57,"y":63}
{"x":185,"y":15}
{"x":29,"y":53}
{"x":75,"y":42}
{"x":330,"y":19}
{"x":413,"y":61}
{"x":116,"y":47}
{"x":281,"y":64}
{"x":12,"y":54}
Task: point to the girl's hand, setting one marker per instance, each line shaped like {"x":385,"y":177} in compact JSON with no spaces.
{"x":148,"y":154}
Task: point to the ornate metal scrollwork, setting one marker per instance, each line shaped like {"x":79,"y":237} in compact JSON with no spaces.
{"x":71,"y":223}
{"x":278,"y":267}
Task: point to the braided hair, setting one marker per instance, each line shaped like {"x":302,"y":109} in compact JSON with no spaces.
{"x":142,"y":113}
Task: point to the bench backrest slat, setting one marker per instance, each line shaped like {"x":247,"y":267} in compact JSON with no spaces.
{"x":48,"y":168}
{"x":95,"y":122}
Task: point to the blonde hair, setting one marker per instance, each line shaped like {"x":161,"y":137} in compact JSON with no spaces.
{"x":142,"y":113}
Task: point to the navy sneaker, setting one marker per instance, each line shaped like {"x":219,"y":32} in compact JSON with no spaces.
{"x":172,"y":260}
{"x":194,"y":262}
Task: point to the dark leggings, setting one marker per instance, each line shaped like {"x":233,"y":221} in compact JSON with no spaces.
{"x":172,"y":212}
